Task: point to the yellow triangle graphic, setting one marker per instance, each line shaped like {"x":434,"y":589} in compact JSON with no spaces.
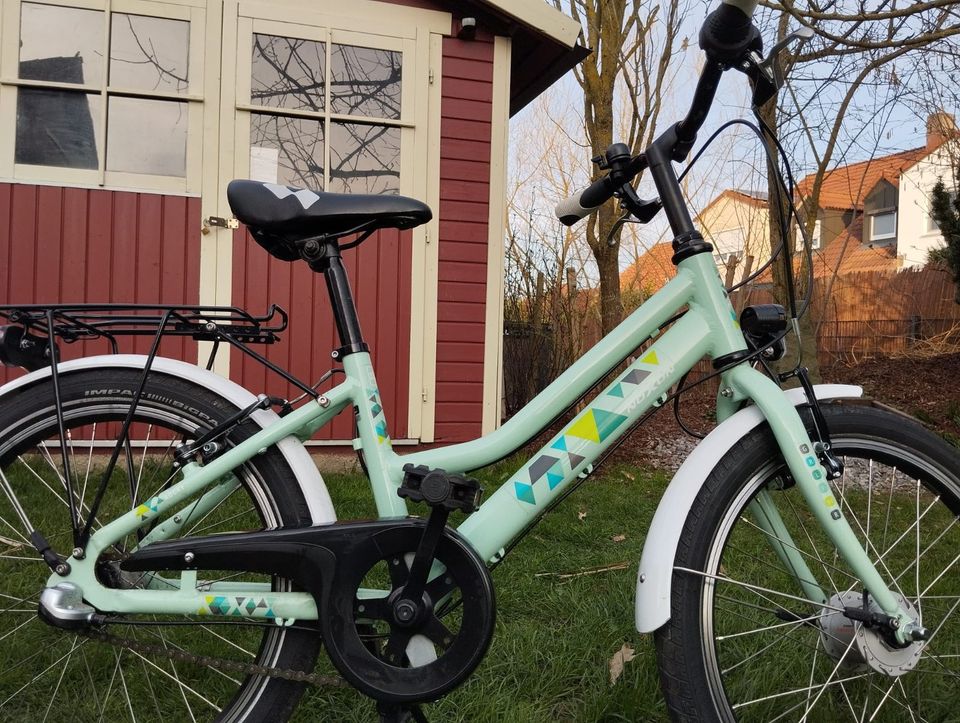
{"x":650,"y":358}
{"x":585,"y":428}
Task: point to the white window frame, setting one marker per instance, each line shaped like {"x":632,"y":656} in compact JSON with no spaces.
{"x":884,"y":237}
{"x":816,"y":239}
{"x":193,"y":11}
{"x":329,"y":35}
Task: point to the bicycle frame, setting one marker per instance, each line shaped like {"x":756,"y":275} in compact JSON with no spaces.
{"x":708,"y":328}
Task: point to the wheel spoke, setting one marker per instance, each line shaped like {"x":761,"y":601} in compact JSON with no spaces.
{"x":124,"y":683}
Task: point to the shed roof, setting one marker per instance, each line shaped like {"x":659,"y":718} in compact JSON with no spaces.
{"x":545,"y":43}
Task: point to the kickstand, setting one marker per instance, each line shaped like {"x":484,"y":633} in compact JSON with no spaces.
{"x":390,"y":713}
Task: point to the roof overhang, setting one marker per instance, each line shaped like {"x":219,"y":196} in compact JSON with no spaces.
{"x":545,"y":45}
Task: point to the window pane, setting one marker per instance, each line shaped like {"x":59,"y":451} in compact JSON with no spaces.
{"x":61,"y":44}
{"x":149,"y":53}
{"x":291,"y":149}
{"x":364,"y":159}
{"x":884,"y":224}
{"x":287,"y":73}
{"x":365,"y":81}
{"x":57,"y":128}
{"x":147,"y":136}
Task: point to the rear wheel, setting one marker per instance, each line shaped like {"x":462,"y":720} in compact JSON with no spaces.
{"x":747,"y":642}
{"x":50,"y":674}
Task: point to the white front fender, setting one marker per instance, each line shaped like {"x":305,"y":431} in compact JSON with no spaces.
{"x":311,"y":483}
{"x":660,"y":549}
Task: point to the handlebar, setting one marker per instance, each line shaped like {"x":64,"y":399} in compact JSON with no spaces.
{"x":727,"y":34}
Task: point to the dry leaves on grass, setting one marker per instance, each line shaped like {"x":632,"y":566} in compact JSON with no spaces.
{"x":582,"y":515}
{"x":618,"y":538}
{"x":619,"y":659}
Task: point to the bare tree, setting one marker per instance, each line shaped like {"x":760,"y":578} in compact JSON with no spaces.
{"x":848,"y":67}
{"x":633,"y":44}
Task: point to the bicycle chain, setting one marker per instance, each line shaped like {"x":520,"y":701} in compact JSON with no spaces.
{"x":221,"y":664}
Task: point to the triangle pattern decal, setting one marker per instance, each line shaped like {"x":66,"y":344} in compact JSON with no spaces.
{"x":585,"y":428}
{"x":575,"y":459}
{"x":650,"y":358}
{"x":524,"y":492}
{"x":616,"y":391}
{"x":554,"y":479}
{"x":560,"y":444}
{"x":635,"y":376}
{"x":540,"y":466}
{"x":607,"y":422}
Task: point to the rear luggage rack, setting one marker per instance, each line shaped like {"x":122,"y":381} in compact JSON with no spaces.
{"x":77,"y":322}
{"x":31,"y":337}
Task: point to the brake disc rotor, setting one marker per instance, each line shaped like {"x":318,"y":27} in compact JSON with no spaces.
{"x":864,"y":649}
{"x":403,"y":651}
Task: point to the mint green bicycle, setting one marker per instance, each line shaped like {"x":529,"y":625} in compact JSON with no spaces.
{"x":170,"y":552}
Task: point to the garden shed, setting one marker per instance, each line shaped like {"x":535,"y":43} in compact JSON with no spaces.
{"x":122,"y":121}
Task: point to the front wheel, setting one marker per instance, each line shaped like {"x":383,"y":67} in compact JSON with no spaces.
{"x":746,"y":641}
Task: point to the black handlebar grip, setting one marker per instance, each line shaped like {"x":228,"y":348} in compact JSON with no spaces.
{"x":583,"y":203}
{"x":728,"y":32}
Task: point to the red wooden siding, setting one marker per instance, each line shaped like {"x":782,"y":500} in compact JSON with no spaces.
{"x":380,"y":271}
{"x":74,"y":245}
{"x":466,"y":112}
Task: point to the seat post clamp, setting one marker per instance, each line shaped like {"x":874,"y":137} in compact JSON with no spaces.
{"x":349,"y":349}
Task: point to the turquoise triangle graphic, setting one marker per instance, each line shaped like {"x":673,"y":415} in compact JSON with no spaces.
{"x":554,"y":479}
{"x":607,"y":422}
{"x":524,"y":492}
{"x":617,"y":391}
{"x":560,"y":444}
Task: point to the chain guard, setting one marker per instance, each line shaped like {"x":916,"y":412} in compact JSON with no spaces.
{"x":331,"y":562}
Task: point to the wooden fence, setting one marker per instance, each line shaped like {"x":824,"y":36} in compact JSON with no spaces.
{"x":871,"y":314}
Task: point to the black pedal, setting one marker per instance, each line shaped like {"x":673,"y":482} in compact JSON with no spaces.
{"x":439,"y":488}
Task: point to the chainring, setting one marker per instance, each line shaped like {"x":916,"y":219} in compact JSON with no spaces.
{"x":425,"y":656}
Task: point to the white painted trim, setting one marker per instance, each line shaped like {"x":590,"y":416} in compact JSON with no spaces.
{"x":307,"y":474}
{"x":493,"y":321}
{"x":196,"y":12}
{"x":659,"y":551}
{"x":540,"y":17}
{"x":365,"y":16}
{"x":425,"y":262}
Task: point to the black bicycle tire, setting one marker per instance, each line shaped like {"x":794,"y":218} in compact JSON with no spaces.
{"x":685,"y":680}
{"x":28,"y":414}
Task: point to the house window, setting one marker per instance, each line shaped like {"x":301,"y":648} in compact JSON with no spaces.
{"x":883,"y":226}
{"x":92,"y":85}
{"x":815,"y":241}
{"x":325,"y":114}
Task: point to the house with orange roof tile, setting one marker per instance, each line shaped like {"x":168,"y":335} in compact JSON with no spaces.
{"x":736,"y":223}
{"x":872,"y":215}
{"x":649,"y":272}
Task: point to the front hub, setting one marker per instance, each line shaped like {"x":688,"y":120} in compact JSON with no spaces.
{"x":861,"y":648}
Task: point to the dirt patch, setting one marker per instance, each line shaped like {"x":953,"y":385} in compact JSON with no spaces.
{"x":927,"y":388}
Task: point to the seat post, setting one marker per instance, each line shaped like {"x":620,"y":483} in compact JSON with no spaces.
{"x":345,"y":316}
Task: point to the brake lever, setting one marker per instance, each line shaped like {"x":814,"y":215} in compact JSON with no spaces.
{"x":642,"y":209}
{"x":766,"y":74}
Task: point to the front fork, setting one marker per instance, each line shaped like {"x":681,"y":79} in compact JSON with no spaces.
{"x":811,"y":479}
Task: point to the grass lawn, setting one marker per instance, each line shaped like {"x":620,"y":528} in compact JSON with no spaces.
{"x":556,"y":631}
{"x":554,"y":639}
